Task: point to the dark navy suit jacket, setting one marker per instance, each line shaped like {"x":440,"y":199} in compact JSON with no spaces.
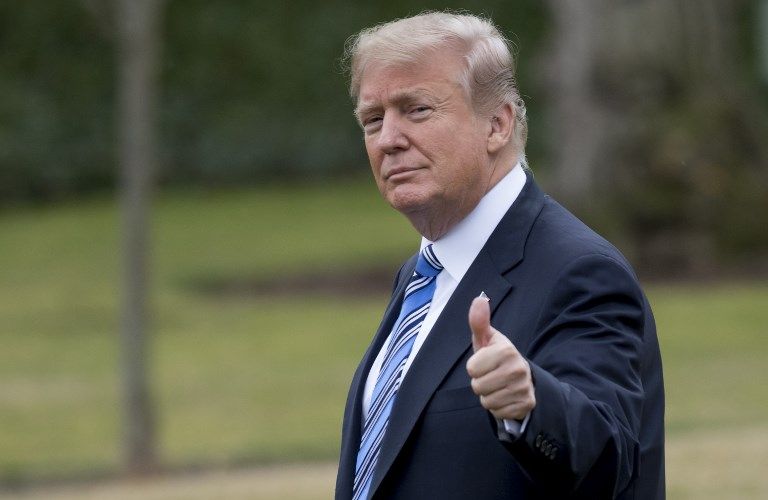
{"x":571,"y":304}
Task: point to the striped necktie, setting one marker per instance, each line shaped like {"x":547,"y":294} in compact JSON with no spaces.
{"x":418,"y":297}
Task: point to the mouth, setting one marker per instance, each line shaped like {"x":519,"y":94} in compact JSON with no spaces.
{"x":399,"y":172}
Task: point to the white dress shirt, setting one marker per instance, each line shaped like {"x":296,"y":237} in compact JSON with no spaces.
{"x":456,"y":250}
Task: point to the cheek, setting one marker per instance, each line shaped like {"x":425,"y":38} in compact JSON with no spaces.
{"x":460,"y":156}
{"x":374,"y":158}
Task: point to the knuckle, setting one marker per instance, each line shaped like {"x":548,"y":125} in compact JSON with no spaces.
{"x":471,"y":370}
{"x":513,"y":371}
{"x":475,"y":384}
{"x":508,"y":351}
{"x":491,"y":401}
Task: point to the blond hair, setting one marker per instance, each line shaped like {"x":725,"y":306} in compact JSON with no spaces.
{"x":488,"y":77}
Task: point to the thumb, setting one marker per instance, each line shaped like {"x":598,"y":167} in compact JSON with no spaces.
{"x":480,"y":323}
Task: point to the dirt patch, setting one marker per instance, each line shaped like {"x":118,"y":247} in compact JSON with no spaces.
{"x":356,"y":283}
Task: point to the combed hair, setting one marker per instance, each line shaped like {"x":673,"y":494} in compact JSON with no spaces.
{"x":489,"y":75}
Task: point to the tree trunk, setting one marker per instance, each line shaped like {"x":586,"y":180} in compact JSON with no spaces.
{"x":138,"y":46}
{"x":579,"y":123}
{"x":655,"y":125}
{"x":762,"y":47}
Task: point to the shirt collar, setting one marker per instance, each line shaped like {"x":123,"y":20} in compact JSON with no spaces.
{"x":458,"y":248}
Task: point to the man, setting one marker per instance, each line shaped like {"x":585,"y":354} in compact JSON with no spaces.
{"x":518,"y":356}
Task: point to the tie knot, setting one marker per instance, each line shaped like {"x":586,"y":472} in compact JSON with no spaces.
{"x":428,"y":265}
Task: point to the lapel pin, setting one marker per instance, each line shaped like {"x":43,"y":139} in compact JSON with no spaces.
{"x":484,"y":296}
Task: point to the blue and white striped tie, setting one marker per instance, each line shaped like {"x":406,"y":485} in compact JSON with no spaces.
{"x":418,"y":297}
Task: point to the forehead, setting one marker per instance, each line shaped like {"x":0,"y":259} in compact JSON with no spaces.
{"x":395,"y":82}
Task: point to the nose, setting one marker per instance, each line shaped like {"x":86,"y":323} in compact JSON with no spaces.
{"x":392,"y":137}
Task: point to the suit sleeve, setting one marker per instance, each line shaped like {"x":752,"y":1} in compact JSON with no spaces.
{"x":582,"y":436}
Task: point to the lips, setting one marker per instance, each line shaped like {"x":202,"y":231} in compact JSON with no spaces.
{"x":399,"y":170}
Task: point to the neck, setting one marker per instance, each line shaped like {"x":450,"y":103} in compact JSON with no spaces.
{"x":434,"y":226}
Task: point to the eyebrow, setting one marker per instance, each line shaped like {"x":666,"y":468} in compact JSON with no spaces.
{"x":399,"y":97}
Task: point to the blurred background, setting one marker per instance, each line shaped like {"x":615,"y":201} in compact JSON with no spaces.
{"x":181,"y":180}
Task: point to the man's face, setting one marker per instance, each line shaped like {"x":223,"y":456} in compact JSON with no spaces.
{"x":427,"y":147}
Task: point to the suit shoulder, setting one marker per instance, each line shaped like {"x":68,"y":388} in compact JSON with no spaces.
{"x":560,"y":236}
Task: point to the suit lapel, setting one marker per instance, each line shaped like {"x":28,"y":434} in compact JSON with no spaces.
{"x":354,"y":409}
{"x":451,"y":336}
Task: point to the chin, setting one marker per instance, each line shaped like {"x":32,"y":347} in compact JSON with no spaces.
{"x":407,"y":199}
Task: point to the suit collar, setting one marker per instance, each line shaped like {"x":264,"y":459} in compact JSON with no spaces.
{"x":506,"y":246}
{"x":459,"y":247}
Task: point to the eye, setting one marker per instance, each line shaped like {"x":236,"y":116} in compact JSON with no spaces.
{"x":420,"y":111}
{"x":371,"y":123}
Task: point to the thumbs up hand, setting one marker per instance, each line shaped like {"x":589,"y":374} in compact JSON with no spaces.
{"x":500,"y":375}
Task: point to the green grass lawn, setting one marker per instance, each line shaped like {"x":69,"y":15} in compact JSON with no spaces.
{"x":249,"y":379}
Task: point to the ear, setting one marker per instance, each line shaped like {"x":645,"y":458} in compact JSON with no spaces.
{"x":502,"y":126}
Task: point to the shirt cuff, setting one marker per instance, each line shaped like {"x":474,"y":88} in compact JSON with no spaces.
{"x":515,"y":428}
